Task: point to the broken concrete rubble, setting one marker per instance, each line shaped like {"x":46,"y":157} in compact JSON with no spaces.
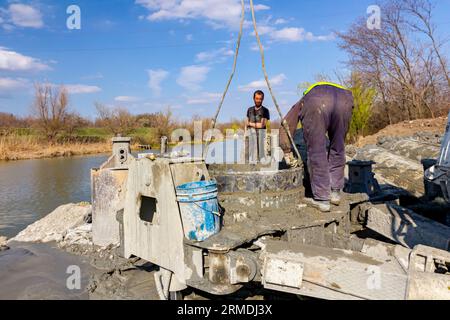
{"x":54,"y":226}
{"x":396,"y":170}
{"x":410,"y":148}
{"x":406,"y":227}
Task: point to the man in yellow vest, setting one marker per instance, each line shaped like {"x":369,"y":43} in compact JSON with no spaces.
{"x":325,"y":109}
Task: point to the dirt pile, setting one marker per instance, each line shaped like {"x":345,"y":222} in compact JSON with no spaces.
{"x":427,"y":127}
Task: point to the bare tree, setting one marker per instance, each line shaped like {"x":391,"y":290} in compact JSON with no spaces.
{"x":402,"y":67}
{"x":72,"y":122}
{"x":50,"y":108}
{"x":422,"y":10}
{"x":164,"y":122}
{"x":118,"y":120}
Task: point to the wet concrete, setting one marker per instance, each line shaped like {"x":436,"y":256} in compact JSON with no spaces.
{"x":41,"y":272}
{"x":30,"y":271}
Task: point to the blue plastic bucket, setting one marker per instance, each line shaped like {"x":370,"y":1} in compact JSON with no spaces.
{"x":199,"y":209}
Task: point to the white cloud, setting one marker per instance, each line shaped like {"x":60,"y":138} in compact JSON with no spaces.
{"x":216,"y":12}
{"x":156,"y":77}
{"x":258,"y":7}
{"x":328,"y":37}
{"x":9,"y":84}
{"x":264,"y":29}
{"x":13,"y":61}
{"x":191,"y":77}
{"x":126,"y":99}
{"x":21,"y":15}
{"x":280,"y":21}
{"x":259,"y":84}
{"x":288,"y":34}
{"x":255,"y":47}
{"x":218,"y":55}
{"x":204,"y":98}
{"x":81,"y":89}
{"x":94,"y":76}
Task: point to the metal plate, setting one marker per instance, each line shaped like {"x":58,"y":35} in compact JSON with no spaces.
{"x":283,"y":272}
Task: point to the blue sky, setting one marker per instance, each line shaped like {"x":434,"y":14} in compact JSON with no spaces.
{"x":146,"y":55}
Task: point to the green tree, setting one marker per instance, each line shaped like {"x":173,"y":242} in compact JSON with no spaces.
{"x":363,"y":98}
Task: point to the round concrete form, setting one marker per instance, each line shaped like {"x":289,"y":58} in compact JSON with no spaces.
{"x":255,"y":178}
{"x":257,"y":189}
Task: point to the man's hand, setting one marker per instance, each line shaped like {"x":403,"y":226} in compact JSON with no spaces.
{"x":291,"y":161}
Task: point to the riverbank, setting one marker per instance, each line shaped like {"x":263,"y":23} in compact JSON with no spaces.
{"x":25,"y":144}
{"x":27,"y":148}
{"x":40,"y":151}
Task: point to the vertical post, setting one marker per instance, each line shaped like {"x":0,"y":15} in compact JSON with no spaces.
{"x":246,"y":148}
{"x":432,"y":190}
{"x":258,"y":145}
{"x":121,"y":149}
{"x":268,"y":145}
{"x":164,"y":148}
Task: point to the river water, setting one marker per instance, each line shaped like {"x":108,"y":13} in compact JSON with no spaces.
{"x":30,"y":189}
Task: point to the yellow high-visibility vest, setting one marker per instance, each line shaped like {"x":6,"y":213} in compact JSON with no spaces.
{"x":324,"y":84}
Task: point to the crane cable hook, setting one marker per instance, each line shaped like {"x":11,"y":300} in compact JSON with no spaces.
{"x":261,"y":50}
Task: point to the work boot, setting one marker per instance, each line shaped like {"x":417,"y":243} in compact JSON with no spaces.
{"x":336,"y":197}
{"x":323,"y":206}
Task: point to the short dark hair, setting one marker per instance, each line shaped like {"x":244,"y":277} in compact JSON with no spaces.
{"x":259,"y":93}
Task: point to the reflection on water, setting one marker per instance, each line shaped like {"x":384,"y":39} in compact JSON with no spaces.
{"x":30,"y":189}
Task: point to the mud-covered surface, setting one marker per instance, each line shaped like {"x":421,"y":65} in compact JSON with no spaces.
{"x":113,"y":277}
{"x":41,"y":271}
{"x":31,"y":271}
{"x":244,"y":222}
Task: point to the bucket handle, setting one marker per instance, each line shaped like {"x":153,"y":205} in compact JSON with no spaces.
{"x":213,"y":212}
